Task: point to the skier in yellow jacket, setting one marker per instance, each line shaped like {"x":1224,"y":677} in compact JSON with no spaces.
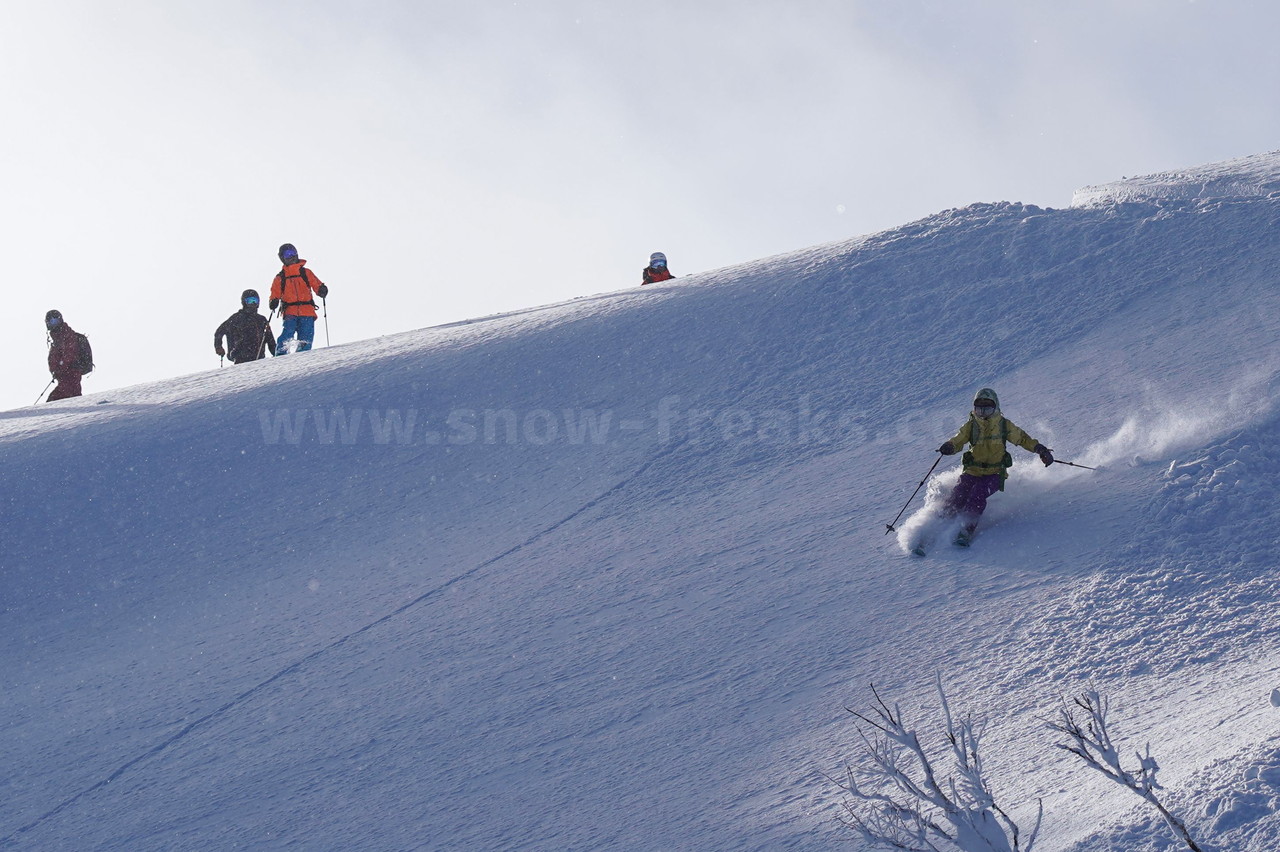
{"x":986,"y":465}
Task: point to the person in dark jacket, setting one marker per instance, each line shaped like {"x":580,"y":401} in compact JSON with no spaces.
{"x":66,"y":361}
{"x":657,"y":269}
{"x":248,"y":332}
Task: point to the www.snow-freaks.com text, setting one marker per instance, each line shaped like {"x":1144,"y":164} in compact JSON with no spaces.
{"x":665,"y":422}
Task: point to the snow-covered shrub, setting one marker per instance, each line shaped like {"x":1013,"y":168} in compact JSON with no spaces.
{"x":1089,"y":740}
{"x":898,"y":797}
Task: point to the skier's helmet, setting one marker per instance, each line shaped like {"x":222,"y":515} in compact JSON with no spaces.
{"x":657,"y":260}
{"x":985,"y":402}
{"x":53,"y":318}
{"x":249,"y":299}
{"x":287,"y":253}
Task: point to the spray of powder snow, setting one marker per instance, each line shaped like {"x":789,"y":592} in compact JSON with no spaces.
{"x":1162,"y":428}
{"x":927,"y":525}
{"x":1027,"y":479}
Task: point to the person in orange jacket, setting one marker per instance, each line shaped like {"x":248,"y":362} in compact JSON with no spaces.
{"x":657,"y":269}
{"x":291,"y":291}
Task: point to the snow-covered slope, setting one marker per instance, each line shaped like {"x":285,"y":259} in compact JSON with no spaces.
{"x":605,"y":574}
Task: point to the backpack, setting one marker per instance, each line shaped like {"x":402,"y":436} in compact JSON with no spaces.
{"x":306,"y":283}
{"x":84,"y":354}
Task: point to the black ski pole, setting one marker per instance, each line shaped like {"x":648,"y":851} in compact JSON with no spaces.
{"x":325,"y":304}
{"x":263,"y":341}
{"x":46,"y":390}
{"x":888,"y":528}
{"x":1073,"y":464}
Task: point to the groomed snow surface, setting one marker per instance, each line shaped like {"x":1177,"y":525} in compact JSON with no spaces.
{"x":606,"y":574}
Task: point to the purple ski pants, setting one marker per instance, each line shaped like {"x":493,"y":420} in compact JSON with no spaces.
{"x":969,"y":499}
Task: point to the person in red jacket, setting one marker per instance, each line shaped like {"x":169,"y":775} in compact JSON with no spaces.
{"x":657,"y":269}
{"x":291,"y":291}
{"x":66,"y":358}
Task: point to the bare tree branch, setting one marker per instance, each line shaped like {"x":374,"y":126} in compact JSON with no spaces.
{"x":1083,"y":721}
{"x":898,"y":799}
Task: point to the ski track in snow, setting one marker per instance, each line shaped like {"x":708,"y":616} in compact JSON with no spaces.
{"x":285,"y":672}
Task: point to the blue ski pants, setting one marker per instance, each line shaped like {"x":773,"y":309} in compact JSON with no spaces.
{"x":303,"y":327}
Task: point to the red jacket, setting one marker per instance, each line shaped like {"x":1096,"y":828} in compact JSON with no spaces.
{"x":652,"y":275}
{"x":64,"y":354}
{"x":293,"y":286}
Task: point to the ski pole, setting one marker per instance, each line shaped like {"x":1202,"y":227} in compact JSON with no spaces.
{"x":263,"y":342}
{"x":325,"y":304}
{"x":1073,"y":464}
{"x":46,"y":390}
{"x":888,"y":528}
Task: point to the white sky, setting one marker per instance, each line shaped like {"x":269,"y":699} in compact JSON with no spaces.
{"x":440,"y":160}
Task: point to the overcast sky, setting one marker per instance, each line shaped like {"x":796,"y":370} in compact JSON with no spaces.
{"x":436,"y":161}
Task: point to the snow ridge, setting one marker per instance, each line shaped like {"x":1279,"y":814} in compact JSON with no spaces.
{"x":1257,"y":175}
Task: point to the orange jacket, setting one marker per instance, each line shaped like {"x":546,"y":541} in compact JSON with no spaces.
{"x":652,"y":276}
{"x":293,"y":286}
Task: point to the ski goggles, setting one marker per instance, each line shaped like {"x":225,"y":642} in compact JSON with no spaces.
{"x":658,"y":264}
{"x":985,"y":410}
{"x":252,"y":300}
{"x":52,"y":321}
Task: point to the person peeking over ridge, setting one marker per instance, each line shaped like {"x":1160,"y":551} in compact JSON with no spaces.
{"x":291,"y":291}
{"x":656,"y":270}
{"x":248,"y":333}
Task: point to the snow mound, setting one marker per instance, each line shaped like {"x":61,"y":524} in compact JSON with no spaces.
{"x":1236,"y":807}
{"x":1243,"y":177}
{"x":1206,"y":518}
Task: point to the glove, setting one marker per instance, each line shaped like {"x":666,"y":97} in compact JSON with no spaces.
{"x":947,"y":450}
{"x":218,"y":350}
{"x":1045,"y":454}
{"x":273,"y":304}
{"x":322,"y":290}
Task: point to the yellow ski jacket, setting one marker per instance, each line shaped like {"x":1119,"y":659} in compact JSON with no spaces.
{"x":987,"y":437}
